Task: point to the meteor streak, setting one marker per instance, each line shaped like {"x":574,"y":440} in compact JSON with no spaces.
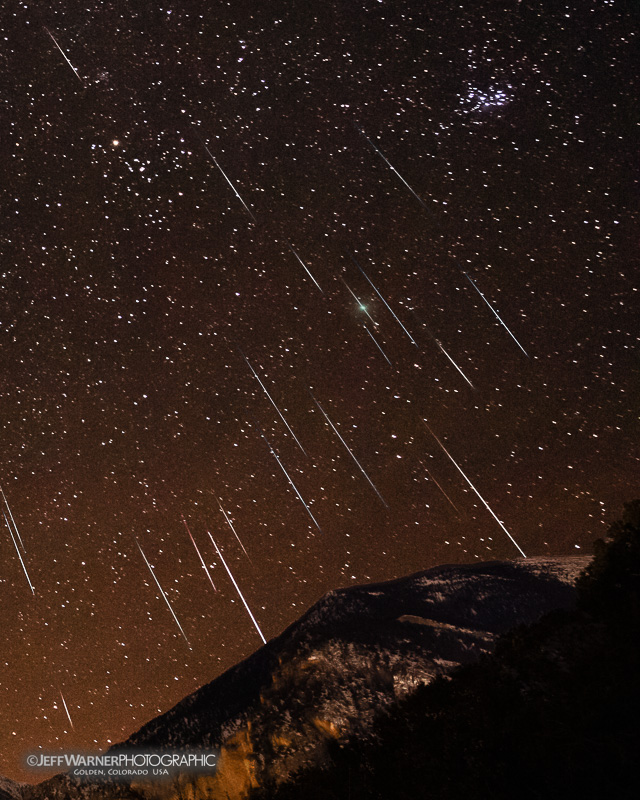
{"x":67,"y":710}
{"x":75,"y":71}
{"x":442,"y":490}
{"x":233,"y":580}
{"x":348,"y":449}
{"x":454,"y":462}
{"x":230,"y":524}
{"x":15,"y":544}
{"x":393,"y":169}
{"x":442,"y":350}
{"x":15,"y":527}
{"x":454,"y":363}
{"x":304,"y":265}
{"x":166,"y":599}
{"x":295,"y":488}
{"x":376,"y":344}
{"x":264,"y":389}
{"x":498,"y":317}
{"x":204,"y":566}
{"x":413,"y":341}
{"x":224,"y":175}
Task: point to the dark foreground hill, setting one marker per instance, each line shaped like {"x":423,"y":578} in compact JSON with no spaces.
{"x":327,"y":678}
{"x":553,"y":713}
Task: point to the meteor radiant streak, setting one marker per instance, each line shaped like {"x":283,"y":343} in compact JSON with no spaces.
{"x":441,"y":346}
{"x":498,"y":317}
{"x":454,"y":363}
{"x":166,"y":599}
{"x":295,"y":488}
{"x":15,"y":544}
{"x":393,"y":169}
{"x":233,"y":580}
{"x":204,"y":566}
{"x":442,"y":490}
{"x":348,"y":449}
{"x":15,"y":527}
{"x":413,"y":341}
{"x":230,"y":524}
{"x":305,"y":267}
{"x":64,"y":703}
{"x":264,"y":389}
{"x":75,"y":71}
{"x":224,"y":174}
{"x":454,"y":462}
{"x":376,"y":344}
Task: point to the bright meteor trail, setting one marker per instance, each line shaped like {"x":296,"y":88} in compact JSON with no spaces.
{"x":272,"y":401}
{"x":15,"y":527}
{"x":454,"y":363}
{"x":454,"y":462}
{"x":498,"y":317}
{"x":204,"y":566}
{"x":295,"y":488}
{"x":64,"y":703}
{"x":305,"y":266}
{"x":233,"y":580}
{"x":166,"y":599}
{"x":75,"y":71}
{"x":15,"y":544}
{"x":393,"y":169}
{"x":230,"y":524}
{"x":224,"y":175}
{"x":348,"y":449}
{"x":442,"y":490}
{"x":413,"y":341}
{"x":442,"y":350}
{"x":375,"y":341}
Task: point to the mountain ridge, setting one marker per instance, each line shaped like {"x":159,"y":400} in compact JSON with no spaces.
{"x":353,"y":653}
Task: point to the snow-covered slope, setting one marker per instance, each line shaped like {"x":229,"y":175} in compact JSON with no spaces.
{"x":356,"y":651}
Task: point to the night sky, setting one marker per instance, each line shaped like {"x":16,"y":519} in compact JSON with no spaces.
{"x":196,"y":208}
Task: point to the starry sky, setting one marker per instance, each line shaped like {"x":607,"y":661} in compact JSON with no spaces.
{"x":248,"y":249}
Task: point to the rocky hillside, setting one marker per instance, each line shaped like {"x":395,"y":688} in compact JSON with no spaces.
{"x":353,"y":654}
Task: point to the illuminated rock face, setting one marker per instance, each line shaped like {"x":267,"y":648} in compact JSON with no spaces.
{"x":359,"y":650}
{"x":356,"y":652}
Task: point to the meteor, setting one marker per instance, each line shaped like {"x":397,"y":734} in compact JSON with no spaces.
{"x":6,"y":502}
{"x":442,"y":490}
{"x":295,"y":488}
{"x":166,"y":599}
{"x":67,"y":710}
{"x":75,"y":71}
{"x":442,"y":350}
{"x":348,"y":449}
{"x":273,"y":403}
{"x":437,"y":341}
{"x":224,"y":175}
{"x":15,"y":544}
{"x":304,"y":265}
{"x":204,"y":566}
{"x":376,"y":344}
{"x":413,"y":341}
{"x":230,"y":524}
{"x":393,"y":169}
{"x":454,"y":462}
{"x":233,"y":580}
{"x":498,"y":317}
